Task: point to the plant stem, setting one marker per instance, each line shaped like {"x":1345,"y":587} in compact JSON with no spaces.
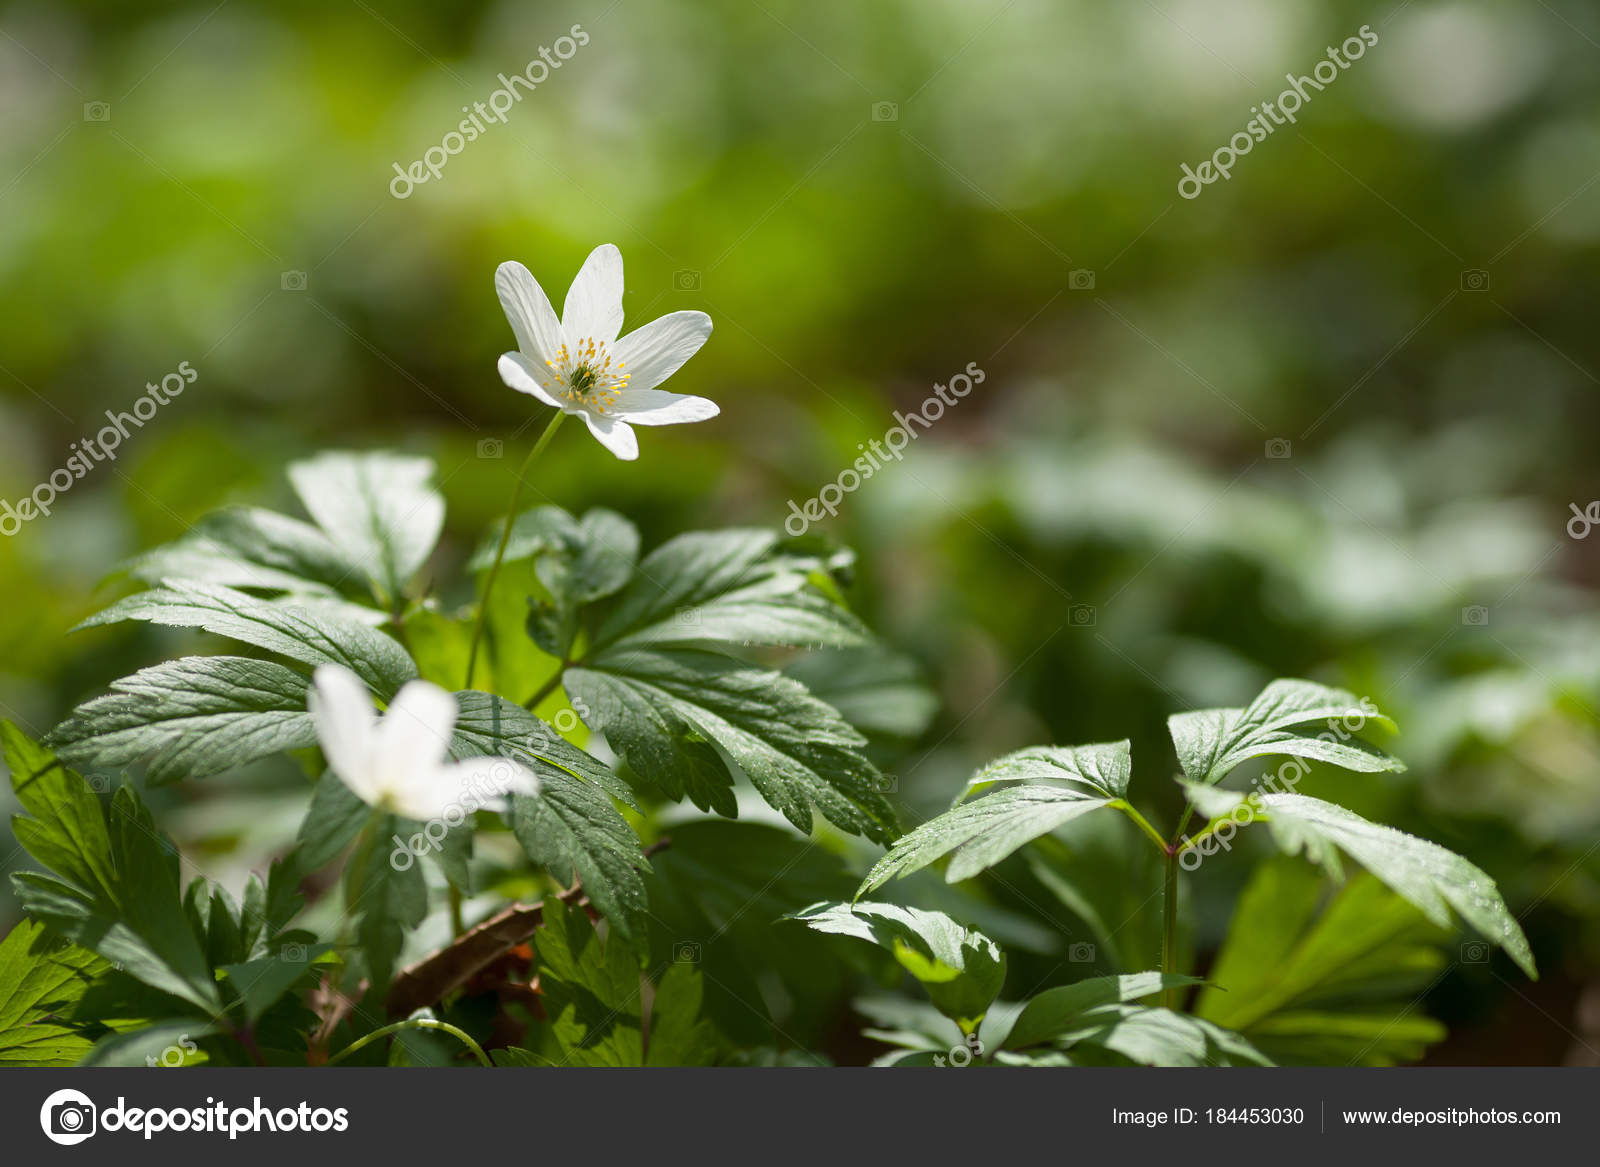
{"x":548,"y":687}
{"x":414,"y":1023}
{"x":457,"y":924}
{"x":505,"y":538}
{"x":1169,"y":927}
{"x":1142,"y":823}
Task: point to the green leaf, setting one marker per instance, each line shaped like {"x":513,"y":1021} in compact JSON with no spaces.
{"x":40,"y":980}
{"x":67,"y":832}
{"x":190,"y":717}
{"x":333,"y":820}
{"x":379,"y":508}
{"x":1102,"y":770}
{"x":1211,"y":742}
{"x":534,"y":531}
{"x":389,"y":898}
{"x":593,"y":992}
{"x":570,"y":827}
{"x":301,"y":634}
{"x":1122,"y":1032}
{"x":119,"y":895}
{"x":978,"y":834}
{"x":1061,"y":1010}
{"x":962,"y":970}
{"x":677,"y":1035}
{"x":247,"y":547}
{"x":658,"y":709}
{"x":261,"y":983}
{"x":724,"y":587}
{"x":492,"y":725}
{"x":1423,"y":873}
{"x":1325,"y":985}
{"x":153,"y":1045}
{"x":597,"y":562}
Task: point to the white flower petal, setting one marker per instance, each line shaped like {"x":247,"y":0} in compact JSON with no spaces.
{"x":528,"y":309}
{"x":454,"y":792}
{"x":522,"y":373}
{"x":658,"y":407}
{"x":414,"y":736}
{"x":594,"y":302}
{"x":614,"y":434}
{"x":341,"y":708}
{"x":656,"y":351}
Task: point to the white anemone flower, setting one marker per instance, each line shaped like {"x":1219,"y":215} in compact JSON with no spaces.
{"x":399,"y":763}
{"x":579,"y":365}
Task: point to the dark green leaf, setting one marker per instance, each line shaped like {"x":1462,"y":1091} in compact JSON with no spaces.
{"x":978,"y":834}
{"x":298,"y":633}
{"x":570,"y":827}
{"x":799,"y":753}
{"x":190,"y":717}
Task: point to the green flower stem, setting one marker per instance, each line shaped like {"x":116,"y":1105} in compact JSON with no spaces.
{"x":1142,"y":823}
{"x":1169,"y":928}
{"x":548,"y":687}
{"x":505,"y":538}
{"x":414,"y":1023}
{"x":457,"y":924}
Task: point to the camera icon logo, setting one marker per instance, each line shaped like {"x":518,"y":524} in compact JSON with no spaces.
{"x":1080,"y":280}
{"x":96,"y":111}
{"x":294,"y":281}
{"x":491,"y":448}
{"x":98,"y":783}
{"x":885,"y":111}
{"x":292,"y":953}
{"x":686,"y":952}
{"x":1474,"y":279}
{"x":686,"y":280}
{"x":1475,"y":614}
{"x":1279,"y":448}
{"x":1474,"y":952}
{"x":1082,"y":615}
{"x":67,"y":1117}
{"x":1081,"y":953}
{"x":886,"y":784}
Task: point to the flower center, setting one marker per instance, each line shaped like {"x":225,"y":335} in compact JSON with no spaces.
{"x":585,"y":373}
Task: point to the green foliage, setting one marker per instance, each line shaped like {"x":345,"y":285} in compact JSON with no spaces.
{"x":571,"y":829}
{"x":962,"y":970}
{"x":594,"y":993}
{"x":1423,"y":873}
{"x":977,"y":835}
{"x":189,"y":718}
{"x":40,"y":981}
{"x":1212,"y":742}
{"x":303,"y":634}
{"x":717,"y":658}
{"x":1315,"y":980}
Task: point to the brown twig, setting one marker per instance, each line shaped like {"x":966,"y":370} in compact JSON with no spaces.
{"x":434,"y":977}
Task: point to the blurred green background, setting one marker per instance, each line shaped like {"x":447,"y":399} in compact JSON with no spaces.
{"x":1328,"y":419}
